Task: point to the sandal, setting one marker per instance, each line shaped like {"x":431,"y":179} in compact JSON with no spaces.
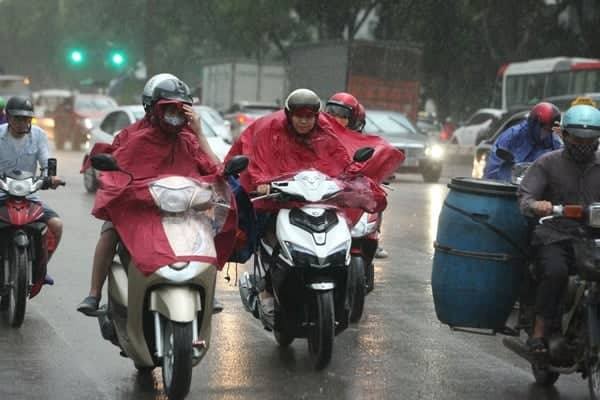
{"x":537,"y":346}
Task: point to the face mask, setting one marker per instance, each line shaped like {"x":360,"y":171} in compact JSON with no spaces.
{"x":581,"y":153}
{"x":174,"y":119}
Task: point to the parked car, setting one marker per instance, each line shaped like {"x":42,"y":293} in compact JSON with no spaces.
{"x":481,"y":121}
{"x":482,"y":150}
{"x":124,"y":116}
{"x":240,"y":115}
{"x":69,"y":116}
{"x":423,"y":155}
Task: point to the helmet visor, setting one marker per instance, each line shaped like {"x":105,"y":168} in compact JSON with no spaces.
{"x":339,"y":111}
{"x":304,"y":112}
{"x":588,"y":132}
{"x":20,"y":113}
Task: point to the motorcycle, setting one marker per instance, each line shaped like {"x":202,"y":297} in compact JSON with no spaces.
{"x":25,"y":241}
{"x":164,"y":318}
{"x":576,"y":347}
{"x":308,"y":264}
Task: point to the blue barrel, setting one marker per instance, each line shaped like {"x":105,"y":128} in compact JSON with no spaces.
{"x":480,"y":254}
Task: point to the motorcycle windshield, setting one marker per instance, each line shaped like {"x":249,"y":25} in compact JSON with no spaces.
{"x":345,"y":191}
{"x":169,"y":219}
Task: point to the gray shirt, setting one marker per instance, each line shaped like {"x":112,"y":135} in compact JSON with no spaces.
{"x":25,"y":156}
{"x":556,"y":178}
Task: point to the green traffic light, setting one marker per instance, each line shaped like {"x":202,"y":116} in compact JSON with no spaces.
{"x":76,"y":56}
{"x":117,"y":59}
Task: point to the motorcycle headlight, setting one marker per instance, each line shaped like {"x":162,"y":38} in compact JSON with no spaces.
{"x":594,"y":215}
{"x":434,"y":151}
{"x":19,"y":188}
{"x":363,"y":227}
{"x":178,"y":194}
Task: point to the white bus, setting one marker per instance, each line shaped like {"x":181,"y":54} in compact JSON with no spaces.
{"x":528,"y":82}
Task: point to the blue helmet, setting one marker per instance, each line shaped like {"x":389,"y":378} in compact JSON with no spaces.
{"x":582,"y":121}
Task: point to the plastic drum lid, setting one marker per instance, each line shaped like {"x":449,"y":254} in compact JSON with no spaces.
{"x":483,"y":186}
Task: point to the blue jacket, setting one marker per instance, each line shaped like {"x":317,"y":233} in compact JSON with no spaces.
{"x":525,"y":143}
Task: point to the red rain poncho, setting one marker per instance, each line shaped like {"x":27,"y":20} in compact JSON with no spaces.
{"x":274,"y":151}
{"x":147,"y":153}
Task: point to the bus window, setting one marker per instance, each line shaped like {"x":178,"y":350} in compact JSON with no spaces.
{"x":535,"y":88}
{"x":515,"y":90}
{"x":558,"y":84}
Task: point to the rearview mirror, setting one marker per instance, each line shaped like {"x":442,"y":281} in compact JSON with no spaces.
{"x":104,"y":162}
{"x":236,"y":165}
{"x":505,"y":155}
{"x":363,"y":154}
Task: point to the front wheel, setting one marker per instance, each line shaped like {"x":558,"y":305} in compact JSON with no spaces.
{"x":543,"y":377}
{"x":17,"y":296}
{"x":89,"y":180}
{"x":356,"y":288}
{"x":322,"y":330}
{"x":177,"y":360}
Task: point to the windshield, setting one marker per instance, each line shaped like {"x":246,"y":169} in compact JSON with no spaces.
{"x":99,"y":103}
{"x":209,"y":121}
{"x":389,"y":124}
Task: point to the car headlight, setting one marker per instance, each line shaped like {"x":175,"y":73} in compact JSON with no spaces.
{"x":435,"y":151}
{"x":87,"y":123}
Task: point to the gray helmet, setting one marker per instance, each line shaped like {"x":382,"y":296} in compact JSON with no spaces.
{"x":302,"y":98}
{"x":19,"y":106}
{"x":149,"y":88}
{"x":171,"y":89}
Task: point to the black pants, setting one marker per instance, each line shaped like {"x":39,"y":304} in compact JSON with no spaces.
{"x":552,"y":273}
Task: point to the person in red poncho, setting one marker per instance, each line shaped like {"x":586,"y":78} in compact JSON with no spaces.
{"x":165,"y":141}
{"x":300,"y":137}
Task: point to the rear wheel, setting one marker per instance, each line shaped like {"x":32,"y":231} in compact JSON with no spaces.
{"x":17,"y":296}
{"x":544,"y":377}
{"x":356,"y":288}
{"x":322,"y":331}
{"x":177,"y":360}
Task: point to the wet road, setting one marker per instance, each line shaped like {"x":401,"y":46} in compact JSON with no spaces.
{"x":398,"y":351}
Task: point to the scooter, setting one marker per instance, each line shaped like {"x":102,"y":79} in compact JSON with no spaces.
{"x":308,"y":265}
{"x":164,"y":318}
{"x":25,"y":241}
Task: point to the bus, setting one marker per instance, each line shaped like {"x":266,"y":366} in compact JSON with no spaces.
{"x":528,"y":82}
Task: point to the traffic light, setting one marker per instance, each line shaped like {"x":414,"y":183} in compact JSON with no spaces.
{"x":76,"y":57}
{"x":117,"y":58}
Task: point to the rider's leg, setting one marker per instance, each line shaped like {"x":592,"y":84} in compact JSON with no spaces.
{"x":103,"y":256}
{"x":552,"y":265}
{"x":56,"y":226}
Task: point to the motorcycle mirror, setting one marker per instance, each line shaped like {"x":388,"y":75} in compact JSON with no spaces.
{"x":236,"y":165}
{"x":104,"y":162}
{"x":52,"y":166}
{"x":505,"y":155}
{"x":363,"y":154}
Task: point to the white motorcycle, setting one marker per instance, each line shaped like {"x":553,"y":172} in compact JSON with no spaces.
{"x":308,"y":264}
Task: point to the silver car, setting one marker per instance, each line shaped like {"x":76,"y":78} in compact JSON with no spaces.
{"x":423,"y":155}
{"x":215,"y":129}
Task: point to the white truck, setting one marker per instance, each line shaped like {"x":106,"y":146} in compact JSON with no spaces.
{"x":228,"y":82}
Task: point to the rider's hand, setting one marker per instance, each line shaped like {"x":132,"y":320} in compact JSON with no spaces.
{"x":265,"y":188}
{"x":193,"y":119}
{"x":542,"y":208}
{"x":55,"y":182}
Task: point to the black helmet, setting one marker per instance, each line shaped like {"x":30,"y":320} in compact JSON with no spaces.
{"x":172,"y":89}
{"x":19,"y":106}
{"x":302,"y":98}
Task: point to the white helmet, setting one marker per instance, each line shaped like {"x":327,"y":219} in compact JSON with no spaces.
{"x":149,"y":89}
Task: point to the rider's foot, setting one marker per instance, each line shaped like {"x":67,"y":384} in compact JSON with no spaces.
{"x":217,"y":306}
{"x":89,"y":306}
{"x":48,"y":280}
{"x":381,"y":253}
